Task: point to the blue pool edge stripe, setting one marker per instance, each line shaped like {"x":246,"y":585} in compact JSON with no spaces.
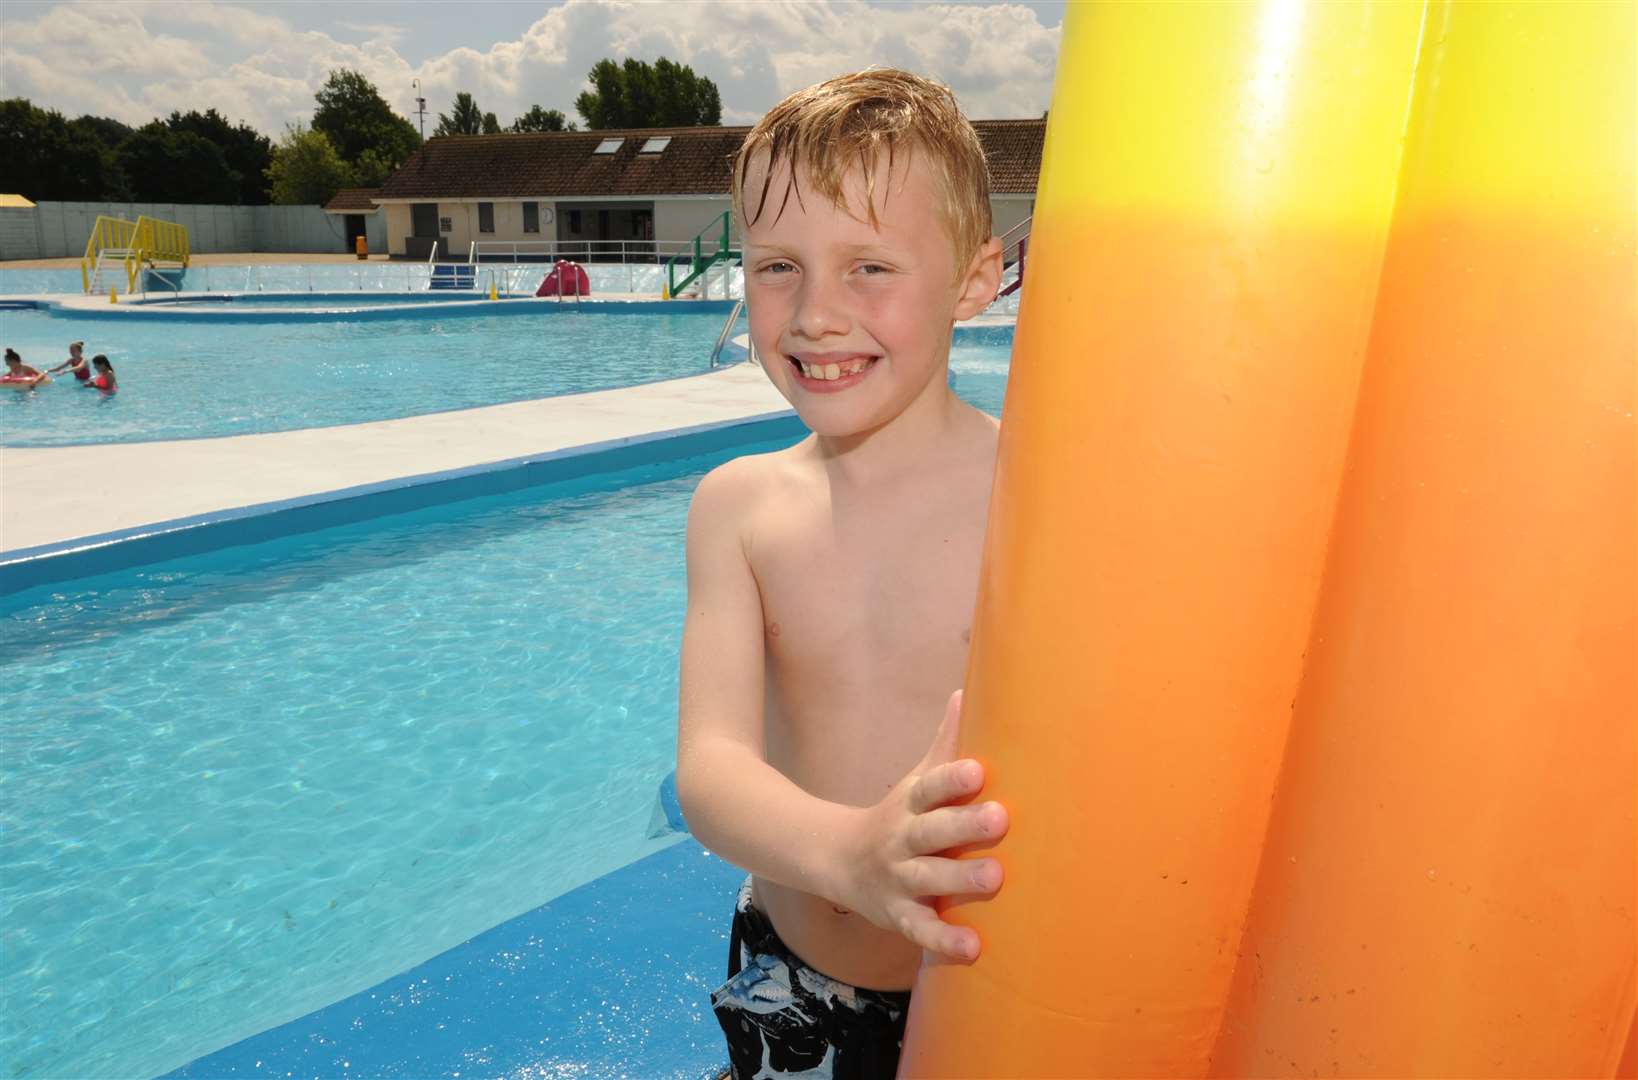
{"x":47,"y":564}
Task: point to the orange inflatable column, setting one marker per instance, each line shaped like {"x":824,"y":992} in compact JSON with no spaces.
{"x":1206,"y":247}
{"x":1450,"y":884}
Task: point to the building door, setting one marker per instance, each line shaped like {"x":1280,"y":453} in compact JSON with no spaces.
{"x":355,"y":229}
{"x":423,"y":230}
{"x":424,"y":219}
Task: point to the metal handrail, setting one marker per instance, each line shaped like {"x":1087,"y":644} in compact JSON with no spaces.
{"x":727,"y":328}
{"x":1017,"y":236}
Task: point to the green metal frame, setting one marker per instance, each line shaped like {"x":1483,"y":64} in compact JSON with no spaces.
{"x":698,"y":261}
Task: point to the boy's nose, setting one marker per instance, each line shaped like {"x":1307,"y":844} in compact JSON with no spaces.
{"x":818,"y":313}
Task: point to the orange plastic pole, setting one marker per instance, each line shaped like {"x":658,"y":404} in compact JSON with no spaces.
{"x":1206,"y":538}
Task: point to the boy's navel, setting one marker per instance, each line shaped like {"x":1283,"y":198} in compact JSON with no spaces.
{"x":773,"y":629}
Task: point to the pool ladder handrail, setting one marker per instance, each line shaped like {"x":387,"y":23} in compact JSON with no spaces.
{"x":727,"y":328}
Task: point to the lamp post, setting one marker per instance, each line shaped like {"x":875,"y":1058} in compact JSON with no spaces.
{"x":420,"y":108}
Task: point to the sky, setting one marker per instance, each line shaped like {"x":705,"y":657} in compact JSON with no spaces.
{"x":260,"y":63}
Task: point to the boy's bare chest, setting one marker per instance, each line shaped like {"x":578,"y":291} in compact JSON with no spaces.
{"x":873,"y":597}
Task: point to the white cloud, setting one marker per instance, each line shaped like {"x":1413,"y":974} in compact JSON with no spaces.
{"x":154,"y":57}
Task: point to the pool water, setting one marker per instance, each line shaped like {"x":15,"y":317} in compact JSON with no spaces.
{"x":190,"y":379}
{"x":195,"y":379}
{"x":242,"y":785}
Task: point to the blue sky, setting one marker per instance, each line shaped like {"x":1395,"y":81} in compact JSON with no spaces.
{"x":260,"y":63}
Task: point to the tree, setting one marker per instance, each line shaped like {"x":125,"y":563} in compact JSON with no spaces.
{"x":365,"y":131}
{"x":539,"y":119}
{"x":164,"y":164}
{"x":306,"y":168}
{"x":491,"y":126}
{"x":465,"y":118}
{"x":50,"y":157}
{"x":248,"y":151}
{"x":639,"y":95}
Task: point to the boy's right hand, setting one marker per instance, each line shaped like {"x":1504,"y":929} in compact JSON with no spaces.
{"x":897,"y":870}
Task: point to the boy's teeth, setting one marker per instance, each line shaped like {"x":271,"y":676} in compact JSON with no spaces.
{"x":832,"y":371}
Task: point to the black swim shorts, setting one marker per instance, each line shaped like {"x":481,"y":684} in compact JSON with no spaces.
{"x":782,"y":1018}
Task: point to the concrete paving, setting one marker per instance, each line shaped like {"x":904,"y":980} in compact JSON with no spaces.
{"x":59,"y":494}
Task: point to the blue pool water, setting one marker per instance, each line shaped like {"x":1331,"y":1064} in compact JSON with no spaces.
{"x":192,"y":379}
{"x":238,"y":786}
{"x":195,"y":379}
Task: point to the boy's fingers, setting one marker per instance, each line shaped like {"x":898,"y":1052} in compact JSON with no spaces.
{"x":929,"y":876}
{"x":943,"y":747}
{"x":922,"y":926}
{"x":945,"y":784}
{"x":957,"y":826}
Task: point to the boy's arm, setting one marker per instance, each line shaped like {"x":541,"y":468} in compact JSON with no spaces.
{"x":880,"y":861}
{"x":736,"y":803}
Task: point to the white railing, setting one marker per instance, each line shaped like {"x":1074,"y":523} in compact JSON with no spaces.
{"x":620,"y":251}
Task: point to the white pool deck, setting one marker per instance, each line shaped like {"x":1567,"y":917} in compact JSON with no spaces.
{"x":51,"y":495}
{"x":56,"y":495}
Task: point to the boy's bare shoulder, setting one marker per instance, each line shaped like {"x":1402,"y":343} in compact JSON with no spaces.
{"x":736,"y":490}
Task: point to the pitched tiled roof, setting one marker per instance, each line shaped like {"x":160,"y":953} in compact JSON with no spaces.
{"x":1013,"y":149}
{"x":352,"y":200}
{"x":558,"y":165}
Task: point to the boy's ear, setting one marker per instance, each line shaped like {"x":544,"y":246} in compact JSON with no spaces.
{"x":981,"y":281}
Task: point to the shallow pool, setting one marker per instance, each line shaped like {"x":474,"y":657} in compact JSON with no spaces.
{"x":239,"y":786}
{"x":204,"y":378}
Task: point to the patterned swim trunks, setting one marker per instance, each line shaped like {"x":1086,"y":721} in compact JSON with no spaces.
{"x":784,"y":1019}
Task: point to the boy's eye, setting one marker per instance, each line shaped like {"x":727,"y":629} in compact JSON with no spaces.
{"x":778,"y":267}
{"x":872,"y":268}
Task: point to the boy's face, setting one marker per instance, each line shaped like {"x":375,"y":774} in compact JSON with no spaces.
{"x":852,"y":321}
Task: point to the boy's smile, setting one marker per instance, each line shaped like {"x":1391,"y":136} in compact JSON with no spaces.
{"x":827,"y":373}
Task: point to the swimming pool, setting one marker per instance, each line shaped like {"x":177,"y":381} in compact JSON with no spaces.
{"x":206,"y":378}
{"x":240,"y":785}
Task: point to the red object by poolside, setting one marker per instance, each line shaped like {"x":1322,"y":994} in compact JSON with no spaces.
{"x":565,"y":279}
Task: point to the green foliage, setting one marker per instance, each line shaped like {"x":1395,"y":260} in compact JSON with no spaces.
{"x":248,"y":152}
{"x":465,"y":118}
{"x":539,"y":119}
{"x":640,"y":95}
{"x":365,"y":131}
{"x":491,"y":126}
{"x":190,"y":157}
{"x":306,"y":168}
{"x":165,"y":164}
{"x":50,"y":157}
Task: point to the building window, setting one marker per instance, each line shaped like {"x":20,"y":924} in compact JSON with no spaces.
{"x":486,"y":217}
{"x":608,"y":146}
{"x":531,"y":217}
{"x":656,"y":144}
{"x":574,"y":222}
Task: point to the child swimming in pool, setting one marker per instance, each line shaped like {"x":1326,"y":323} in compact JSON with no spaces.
{"x":21,"y":374}
{"x":105,"y":375}
{"x":75,"y":363}
{"x":831,"y":586}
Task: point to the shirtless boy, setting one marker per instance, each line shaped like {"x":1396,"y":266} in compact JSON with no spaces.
{"x":831,"y":586}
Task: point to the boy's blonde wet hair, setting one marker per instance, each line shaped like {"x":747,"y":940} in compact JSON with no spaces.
{"x":867,"y":121}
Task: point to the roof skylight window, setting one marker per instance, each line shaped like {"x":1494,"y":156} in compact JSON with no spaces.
{"x":656,"y":144}
{"x":608,"y":146}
